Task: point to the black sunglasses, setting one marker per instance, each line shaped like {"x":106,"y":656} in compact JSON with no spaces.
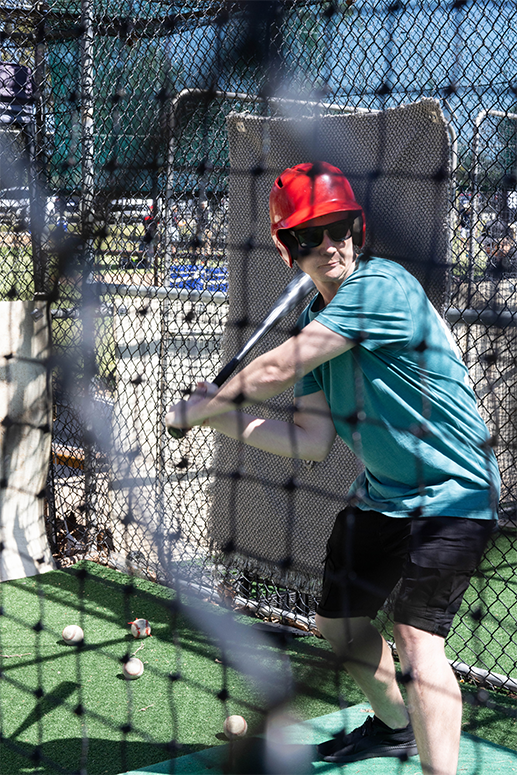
{"x":313,"y":235}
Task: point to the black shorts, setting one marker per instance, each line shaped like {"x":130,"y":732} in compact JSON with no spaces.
{"x":368,"y":553}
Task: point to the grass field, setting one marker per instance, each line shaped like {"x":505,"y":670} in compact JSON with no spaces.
{"x":62,"y":705}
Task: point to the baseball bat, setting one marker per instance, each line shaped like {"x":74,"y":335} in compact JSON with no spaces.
{"x":299,"y":287}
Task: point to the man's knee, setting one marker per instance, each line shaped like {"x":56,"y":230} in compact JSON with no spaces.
{"x":417,"y":647}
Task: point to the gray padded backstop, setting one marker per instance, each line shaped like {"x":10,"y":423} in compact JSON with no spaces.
{"x":271,"y":515}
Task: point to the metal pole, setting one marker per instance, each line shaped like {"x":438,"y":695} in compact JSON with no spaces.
{"x":87,"y":103}
{"x":87,"y":226}
{"x":36,"y":154}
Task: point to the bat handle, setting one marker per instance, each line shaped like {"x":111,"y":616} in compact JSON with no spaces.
{"x":226,"y":371}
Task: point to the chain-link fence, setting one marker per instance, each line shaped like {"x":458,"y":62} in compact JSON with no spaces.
{"x":114,"y":177}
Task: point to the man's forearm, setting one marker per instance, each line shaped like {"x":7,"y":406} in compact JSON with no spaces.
{"x":262,"y":379}
{"x":275,"y":436}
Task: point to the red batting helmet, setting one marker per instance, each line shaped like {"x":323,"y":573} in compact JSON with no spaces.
{"x":307,"y":191}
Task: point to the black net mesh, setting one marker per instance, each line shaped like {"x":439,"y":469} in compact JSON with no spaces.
{"x":138,"y":143}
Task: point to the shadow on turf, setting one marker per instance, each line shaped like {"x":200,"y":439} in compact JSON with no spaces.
{"x":108,"y":757}
{"x":46,"y":704}
{"x":104,"y":757}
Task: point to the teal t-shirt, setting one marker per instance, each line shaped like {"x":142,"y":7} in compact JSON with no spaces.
{"x":401,"y":400}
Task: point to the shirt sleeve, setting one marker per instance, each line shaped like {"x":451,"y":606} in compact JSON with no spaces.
{"x":306,"y":385}
{"x":373,"y":309}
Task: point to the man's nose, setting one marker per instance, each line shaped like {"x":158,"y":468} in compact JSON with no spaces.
{"x":326,"y":242}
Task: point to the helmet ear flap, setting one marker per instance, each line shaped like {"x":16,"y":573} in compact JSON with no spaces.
{"x":290,"y":243}
{"x":358,"y":230}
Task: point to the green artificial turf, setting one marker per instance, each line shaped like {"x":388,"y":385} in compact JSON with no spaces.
{"x":66,"y":707}
{"x":296,"y":744}
{"x":55,"y":697}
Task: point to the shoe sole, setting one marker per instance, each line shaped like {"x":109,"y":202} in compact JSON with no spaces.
{"x":397,"y":752}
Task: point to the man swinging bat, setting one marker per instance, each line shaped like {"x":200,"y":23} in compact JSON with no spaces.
{"x":375,"y":364}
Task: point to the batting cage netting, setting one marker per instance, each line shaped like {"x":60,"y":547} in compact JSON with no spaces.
{"x":139,"y":143}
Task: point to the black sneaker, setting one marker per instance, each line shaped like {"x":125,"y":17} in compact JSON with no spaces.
{"x":371,"y":739}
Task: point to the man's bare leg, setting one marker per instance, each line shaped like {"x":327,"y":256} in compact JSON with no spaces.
{"x":434,"y":698}
{"x":368,"y":660}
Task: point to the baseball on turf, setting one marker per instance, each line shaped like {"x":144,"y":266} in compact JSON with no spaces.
{"x":72,"y":634}
{"x":140,"y":628}
{"x":235,"y":726}
{"x":133,"y":668}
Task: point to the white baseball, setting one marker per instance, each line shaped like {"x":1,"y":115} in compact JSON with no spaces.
{"x":235,"y":726}
{"x":133,"y":668}
{"x":140,"y":628}
{"x":72,"y":634}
